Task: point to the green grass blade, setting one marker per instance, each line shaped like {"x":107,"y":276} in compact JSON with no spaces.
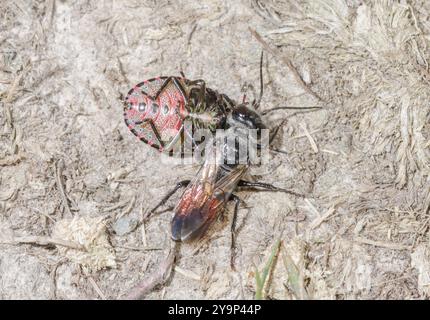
{"x":262,"y":279}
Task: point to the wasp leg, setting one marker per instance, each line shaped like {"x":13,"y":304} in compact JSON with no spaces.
{"x":178,"y":186}
{"x":267,"y":187}
{"x":237,"y":201}
{"x":273,"y":135}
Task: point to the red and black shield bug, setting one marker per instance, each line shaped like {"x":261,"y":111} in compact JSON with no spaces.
{"x":156,"y":110}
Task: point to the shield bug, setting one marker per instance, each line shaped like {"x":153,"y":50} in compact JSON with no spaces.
{"x":156,"y":110}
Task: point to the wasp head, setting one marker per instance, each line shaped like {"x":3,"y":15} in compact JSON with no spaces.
{"x":244,"y":117}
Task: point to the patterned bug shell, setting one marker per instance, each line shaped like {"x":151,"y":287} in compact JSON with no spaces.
{"x":154,"y":111}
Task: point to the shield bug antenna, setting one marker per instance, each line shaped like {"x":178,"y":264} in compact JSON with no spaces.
{"x":256,"y":104}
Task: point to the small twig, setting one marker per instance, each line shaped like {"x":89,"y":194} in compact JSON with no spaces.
{"x":163,"y":294}
{"x":11,"y":196}
{"x":277,"y":53}
{"x":330,"y":151}
{"x":427,"y":201}
{"x":383,"y":283}
{"x":50,"y":13}
{"x":15,"y":84}
{"x":382,"y":244}
{"x":143,"y":249}
{"x":121,"y":70}
{"x":187,"y":273}
{"x":116,"y":206}
{"x":310,"y":138}
{"x":127,"y":209}
{"x":95,"y":285}
{"x":143,"y":231}
{"x":44,"y":214}
{"x":312,"y":208}
{"x":299,"y":136}
{"x":61,"y":188}
{"x":97,"y":288}
{"x":317,"y":222}
{"x":53,"y":275}
{"x":160,"y":277}
{"x":11,"y":160}
{"x":43,"y":241}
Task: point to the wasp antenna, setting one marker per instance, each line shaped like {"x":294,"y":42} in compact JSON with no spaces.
{"x":257,"y":104}
{"x":290,"y":108}
{"x":182,"y":74}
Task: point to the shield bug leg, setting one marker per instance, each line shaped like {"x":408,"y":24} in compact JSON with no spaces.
{"x":267,"y":187}
{"x":237,"y":201}
{"x":200,"y":85}
{"x":197,"y":82}
{"x":202,"y":105}
{"x":178,"y":186}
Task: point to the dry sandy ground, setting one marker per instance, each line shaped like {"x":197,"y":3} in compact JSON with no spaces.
{"x":363,"y":162}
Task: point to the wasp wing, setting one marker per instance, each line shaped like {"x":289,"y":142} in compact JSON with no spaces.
{"x":204,"y":197}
